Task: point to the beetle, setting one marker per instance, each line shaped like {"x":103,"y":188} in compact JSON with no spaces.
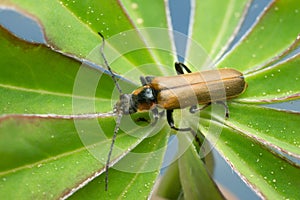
{"x":176,"y":92}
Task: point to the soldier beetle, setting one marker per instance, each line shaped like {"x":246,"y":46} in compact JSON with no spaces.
{"x":175,"y":92}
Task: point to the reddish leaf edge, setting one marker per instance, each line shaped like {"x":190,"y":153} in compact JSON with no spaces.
{"x":283,"y":97}
{"x":224,"y":49}
{"x":56,"y":116}
{"x":257,"y":191}
{"x":77,"y":186}
{"x":269,"y":101}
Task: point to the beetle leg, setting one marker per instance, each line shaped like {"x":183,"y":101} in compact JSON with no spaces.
{"x":171,"y":122}
{"x":194,"y":109}
{"x":226,"y":108}
{"x":157,"y":115}
{"x":179,"y":68}
{"x":197,"y":139}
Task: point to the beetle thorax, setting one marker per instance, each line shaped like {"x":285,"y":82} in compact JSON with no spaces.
{"x":144,"y":98}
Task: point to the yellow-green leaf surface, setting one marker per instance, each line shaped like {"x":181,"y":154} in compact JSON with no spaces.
{"x":214,"y":24}
{"x":34,"y":79}
{"x":277,"y":129}
{"x":142,"y":16}
{"x":195,"y":184}
{"x":40,"y":149}
{"x":35,"y":157}
{"x":45,"y":158}
{"x":129,"y":185}
{"x":187,"y":177}
{"x":270,"y":175}
{"x":276,"y":83}
{"x":72,"y":26}
{"x":275,"y":30}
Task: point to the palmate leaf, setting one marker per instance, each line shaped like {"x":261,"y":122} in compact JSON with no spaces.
{"x":60,"y":163}
{"x":38,"y":150}
{"x":50,"y":146}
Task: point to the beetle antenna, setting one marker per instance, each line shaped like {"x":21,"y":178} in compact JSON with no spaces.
{"x":111,"y":147}
{"x":118,"y":111}
{"x":113,"y":76}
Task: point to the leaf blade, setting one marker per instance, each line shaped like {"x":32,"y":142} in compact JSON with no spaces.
{"x":213,"y":30}
{"x":274,"y":84}
{"x":267,"y":174}
{"x":279,"y":20}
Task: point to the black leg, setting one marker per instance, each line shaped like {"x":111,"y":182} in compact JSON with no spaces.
{"x":157,"y":115}
{"x":171,"y":122}
{"x":179,"y":68}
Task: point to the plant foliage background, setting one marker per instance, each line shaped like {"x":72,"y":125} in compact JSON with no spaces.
{"x":43,"y":156}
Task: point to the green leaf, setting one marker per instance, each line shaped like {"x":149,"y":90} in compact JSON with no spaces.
{"x":169,"y":185}
{"x":276,"y":129}
{"x":288,"y":53}
{"x":214,"y":24}
{"x":273,"y":33}
{"x":187,"y":177}
{"x":33,"y":84}
{"x":142,"y":15}
{"x":269,"y":175}
{"x":276,"y":83}
{"x":42,"y":150}
{"x":136,"y":182}
{"x":37,"y":153}
{"x":195,"y":181}
{"x":80,"y":21}
{"x":44,"y":81}
{"x":60,"y":153}
{"x":26,"y":86}
{"x":139,"y":11}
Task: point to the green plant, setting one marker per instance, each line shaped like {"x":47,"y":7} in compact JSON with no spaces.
{"x":43,"y":155}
